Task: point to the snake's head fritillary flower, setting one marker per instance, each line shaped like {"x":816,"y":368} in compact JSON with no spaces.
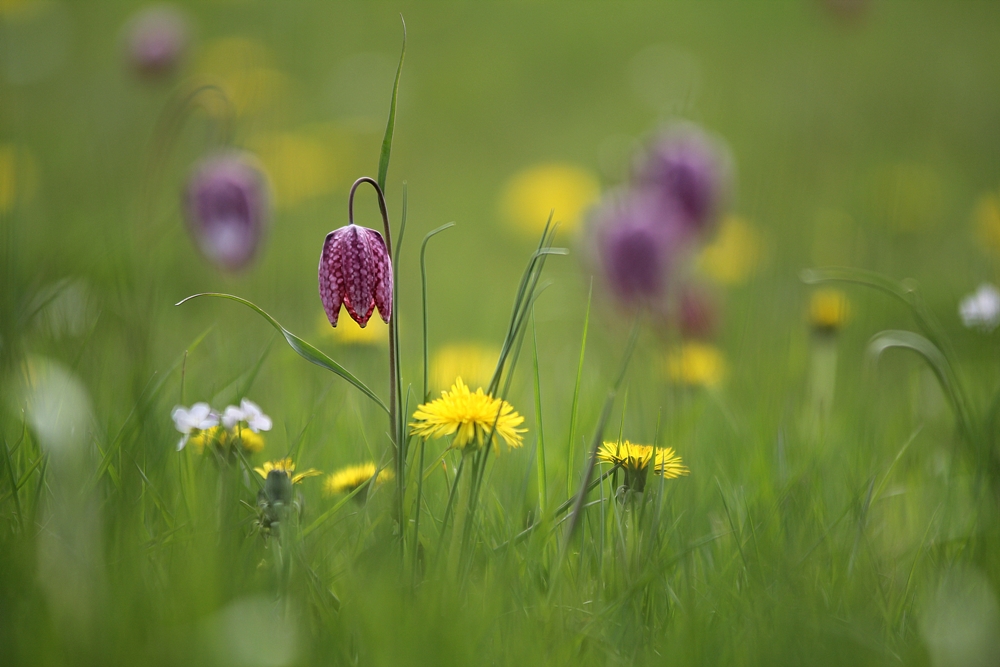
{"x":228,"y":208}
{"x":691,"y":173}
{"x":634,"y":249}
{"x":355,"y":271}
{"x":198,"y":418}
{"x":981,"y":309}
{"x":156,"y":39}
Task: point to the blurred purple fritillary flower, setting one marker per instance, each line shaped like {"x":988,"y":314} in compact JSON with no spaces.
{"x":635,"y":248}
{"x":155,"y":40}
{"x":691,"y":172}
{"x":355,"y":270}
{"x":228,"y":209}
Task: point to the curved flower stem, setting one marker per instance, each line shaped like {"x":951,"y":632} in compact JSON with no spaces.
{"x":398,"y":440}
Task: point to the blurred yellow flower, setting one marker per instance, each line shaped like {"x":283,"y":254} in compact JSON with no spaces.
{"x":696,"y":364}
{"x":288,"y":467}
{"x":987,"y":221}
{"x":473,"y":361}
{"x":248,"y":76}
{"x":532,"y":193}
{"x":18,"y":176}
{"x":470,"y":417}
{"x":222,"y":437}
{"x":828,"y":310}
{"x":301,"y":166}
{"x":349,"y":332}
{"x":347,"y":479}
{"x":734,"y":254}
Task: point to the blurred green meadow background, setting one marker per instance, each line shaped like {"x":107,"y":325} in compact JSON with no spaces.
{"x":835,"y":512}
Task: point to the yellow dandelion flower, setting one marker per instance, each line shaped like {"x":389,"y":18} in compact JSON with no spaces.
{"x":349,"y":332}
{"x":222,"y":438}
{"x":696,"y":364}
{"x":202,"y":439}
{"x":347,"y":479}
{"x":987,"y":220}
{"x":828,"y":310}
{"x":469,"y":417}
{"x":472,"y":361}
{"x":635,"y":459}
{"x":288,"y":467}
{"x":734,"y":254}
{"x":251,"y":442}
{"x":532,"y":193}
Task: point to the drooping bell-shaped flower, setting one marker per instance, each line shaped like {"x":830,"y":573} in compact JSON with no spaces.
{"x":155,"y":40}
{"x":355,"y":270}
{"x":228,"y":209}
{"x":691,"y":172}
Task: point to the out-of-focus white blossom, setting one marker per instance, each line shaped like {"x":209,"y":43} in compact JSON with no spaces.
{"x":198,"y":418}
{"x":981,"y":309}
{"x":248,"y":412}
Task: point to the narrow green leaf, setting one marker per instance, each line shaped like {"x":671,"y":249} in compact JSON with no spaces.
{"x":423,"y":292}
{"x":390,"y":126}
{"x":540,"y":450}
{"x":9,"y":464}
{"x":322,"y":518}
{"x":935,"y":359}
{"x":576,"y":396}
{"x":301,"y":347}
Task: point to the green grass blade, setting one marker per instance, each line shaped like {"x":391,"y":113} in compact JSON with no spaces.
{"x":390,"y":126}
{"x":540,"y":449}
{"x":301,"y":347}
{"x":576,"y":396}
{"x":598,"y":435}
{"x":399,"y":237}
{"x":9,"y":464}
{"x":322,"y":518}
{"x":932,"y":355}
{"x":423,"y":293}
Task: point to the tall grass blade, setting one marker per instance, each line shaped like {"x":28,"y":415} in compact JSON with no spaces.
{"x":390,"y":126}
{"x":423,"y":295}
{"x":540,"y":448}
{"x":576,"y":396}
{"x":909,"y":340}
{"x":598,"y":435}
{"x":301,"y":347}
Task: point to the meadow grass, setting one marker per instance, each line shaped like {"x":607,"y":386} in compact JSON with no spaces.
{"x":842,"y":506}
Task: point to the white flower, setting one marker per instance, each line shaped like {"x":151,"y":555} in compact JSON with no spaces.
{"x":232,"y":416}
{"x":981,"y":309}
{"x":248,"y":412}
{"x":198,"y":418}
